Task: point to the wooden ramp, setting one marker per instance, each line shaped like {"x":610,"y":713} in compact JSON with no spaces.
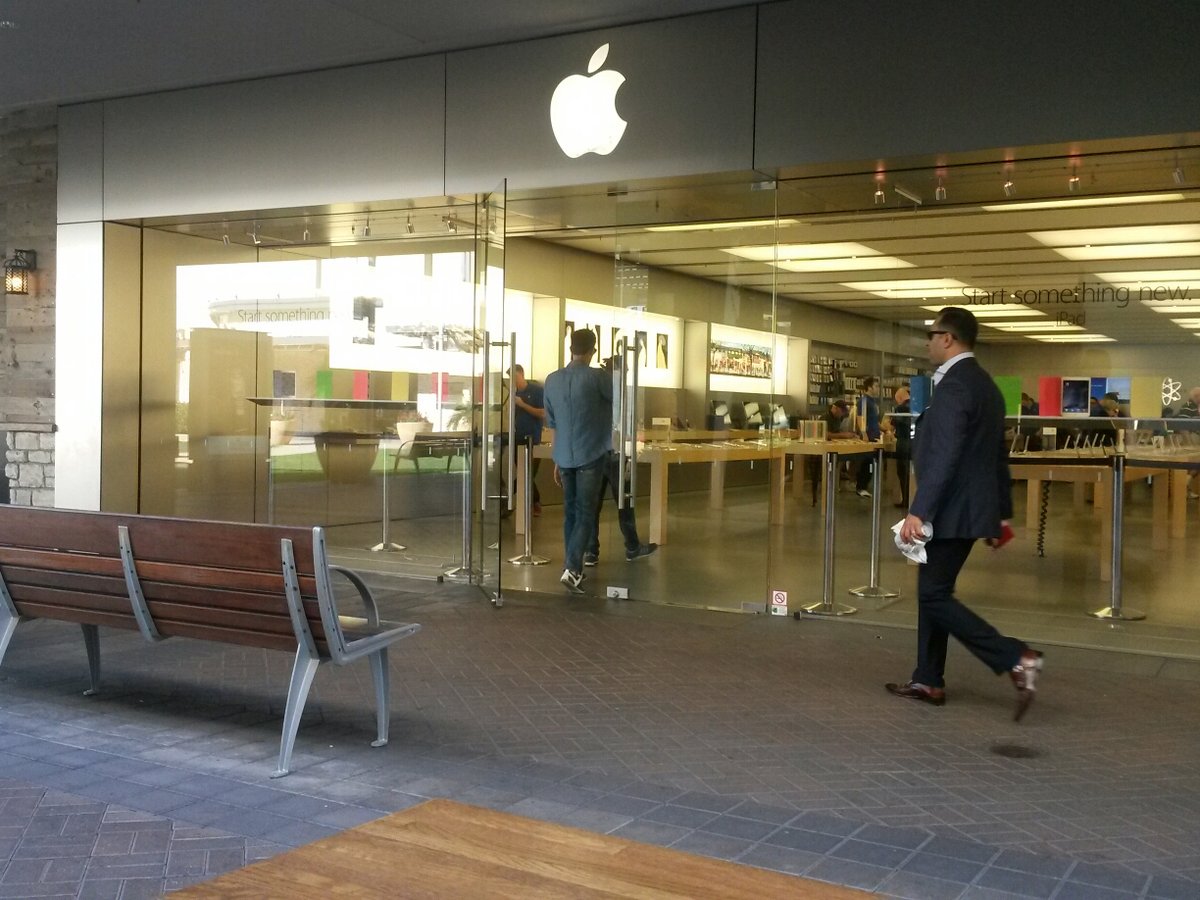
{"x":446,"y":849}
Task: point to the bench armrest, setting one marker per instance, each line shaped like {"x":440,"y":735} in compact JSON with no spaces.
{"x":364,"y":592}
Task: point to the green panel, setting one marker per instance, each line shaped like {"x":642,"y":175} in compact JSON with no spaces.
{"x":1010,"y":387}
{"x":324,"y":384}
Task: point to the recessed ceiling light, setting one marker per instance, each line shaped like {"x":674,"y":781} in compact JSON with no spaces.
{"x":1194,"y":306}
{"x":996,"y":310}
{"x":843,"y":264}
{"x":1187,"y":323}
{"x":1128,"y":234}
{"x":1180,"y":280}
{"x":910,"y":288}
{"x":781,"y":252}
{"x":724,"y":226}
{"x":1083,"y":201}
{"x":1130,"y":251}
{"x":1071,"y":338}
{"x":1034,"y":326}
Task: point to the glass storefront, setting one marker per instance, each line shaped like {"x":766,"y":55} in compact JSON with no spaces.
{"x":329,"y":367}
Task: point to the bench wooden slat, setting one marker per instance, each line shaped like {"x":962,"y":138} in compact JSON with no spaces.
{"x":17,"y":578}
{"x":113,"y":604}
{"x":56,"y":560}
{"x":81,"y":615}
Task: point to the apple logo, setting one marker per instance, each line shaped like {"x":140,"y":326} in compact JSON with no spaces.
{"x":583,"y":110}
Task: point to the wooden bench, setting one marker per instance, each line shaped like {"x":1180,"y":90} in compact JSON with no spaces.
{"x":253,"y":585}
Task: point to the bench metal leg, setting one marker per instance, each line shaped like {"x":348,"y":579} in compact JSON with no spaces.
{"x":8,"y":624}
{"x":379,"y":669}
{"x":91,"y":640}
{"x":302,"y":678}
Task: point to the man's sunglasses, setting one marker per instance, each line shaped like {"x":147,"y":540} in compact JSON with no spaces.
{"x":929,"y":334}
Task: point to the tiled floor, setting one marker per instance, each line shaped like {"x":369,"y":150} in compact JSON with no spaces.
{"x":765,"y":740}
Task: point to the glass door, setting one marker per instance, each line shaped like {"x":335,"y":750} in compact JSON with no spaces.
{"x":493,"y":466}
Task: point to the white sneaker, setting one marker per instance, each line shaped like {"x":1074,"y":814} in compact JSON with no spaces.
{"x":572,"y":580}
{"x":863,"y":492}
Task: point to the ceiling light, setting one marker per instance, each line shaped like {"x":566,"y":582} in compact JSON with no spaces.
{"x":408,"y":226}
{"x":1083,"y":201}
{"x":1048,"y":325}
{"x":1182,"y":279}
{"x":910,"y":288}
{"x":1178,"y":176}
{"x":1073,"y":183}
{"x":367,"y":229}
{"x":997,"y":311}
{"x":1130,"y":251}
{"x":790,"y":252}
{"x":843,"y":264}
{"x":879,"y":195}
{"x":1134,"y":234}
{"x":939,"y":193}
{"x":225,"y":239}
{"x":1071,"y":338}
{"x":1173,"y":308}
{"x":725,"y":226}
{"x":1009,"y":188}
{"x":1187,"y":323}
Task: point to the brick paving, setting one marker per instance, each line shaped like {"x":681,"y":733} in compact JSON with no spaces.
{"x":767,"y":741}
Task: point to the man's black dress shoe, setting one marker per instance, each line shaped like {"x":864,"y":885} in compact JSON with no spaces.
{"x":1024,"y":676}
{"x":915,"y":691}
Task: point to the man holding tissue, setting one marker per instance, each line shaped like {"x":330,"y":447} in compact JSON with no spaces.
{"x":963,"y":493}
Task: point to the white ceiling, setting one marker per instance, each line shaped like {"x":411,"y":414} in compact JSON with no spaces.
{"x":64,"y":51}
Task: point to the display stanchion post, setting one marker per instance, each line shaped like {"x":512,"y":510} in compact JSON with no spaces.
{"x":385,"y":544}
{"x":527,"y":558}
{"x":872,"y":590}
{"x":1114,"y":610}
{"x":826,"y":606}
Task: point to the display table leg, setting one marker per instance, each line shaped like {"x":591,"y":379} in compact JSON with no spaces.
{"x":1161,"y":514}
{"x":1033,"y":500}
{"x":716,"y":485}
{"x":658,"y":501}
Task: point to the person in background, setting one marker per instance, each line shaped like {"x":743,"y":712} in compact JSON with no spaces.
{"x":964,"y":492}
{"x":626,"y":518}
{"x":1029,"y":406}
{"x":1031,"y":435}
{"x":578,"y":404}
{"x":902,"y":425}
{"x":868,"y":416}
{"x":1191,"y":410}
{"x":528,"y":397}
{"x":837,"y":427}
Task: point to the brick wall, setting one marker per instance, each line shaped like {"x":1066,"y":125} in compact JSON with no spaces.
{"x":28,"y":216}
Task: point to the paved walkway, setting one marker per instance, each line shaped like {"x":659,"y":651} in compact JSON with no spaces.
{"x":767,"y":741}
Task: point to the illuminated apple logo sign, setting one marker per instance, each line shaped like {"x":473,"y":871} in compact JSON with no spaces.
{"x":583,"y":110}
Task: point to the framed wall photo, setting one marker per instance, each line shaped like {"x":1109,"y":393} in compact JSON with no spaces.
{"x":746,"y":360}
{"x":660,"y":351}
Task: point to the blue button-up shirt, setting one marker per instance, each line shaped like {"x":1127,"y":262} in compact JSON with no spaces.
{"x":579,"y":408}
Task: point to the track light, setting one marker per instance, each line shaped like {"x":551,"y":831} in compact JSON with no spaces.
{"x":1073,"y":183}
{"x":1178,"y":175}
{"x":225,"y":239}
{"x":939,"y":193}
{"x":879,"y":195}
{"x":305,"y":238}
{"x":367,"y":228}
{"x":409,"y":226}
{"x":1009,"y":188}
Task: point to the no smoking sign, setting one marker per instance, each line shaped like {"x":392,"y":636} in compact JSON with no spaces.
{"x":779,"y":606}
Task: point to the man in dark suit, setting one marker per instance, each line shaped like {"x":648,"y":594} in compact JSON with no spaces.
{"x":963,"y":493}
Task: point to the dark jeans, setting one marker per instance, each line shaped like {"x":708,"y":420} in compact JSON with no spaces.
{"x":626,"y":517}
{"x":581,"y":504}
{"x":940,"y":615}
{"x":863,"y":481}
{"x":903,"y":462}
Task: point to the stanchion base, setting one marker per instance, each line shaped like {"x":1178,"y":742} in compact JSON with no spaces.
{"x":389,"y":547}
{"x":457,"y":572}
{"x":829,"y":609}
{"x":1118,"y":615}
{"x":874,"y":592}
{"x":495,"y":545}
{"x":524,"y":560}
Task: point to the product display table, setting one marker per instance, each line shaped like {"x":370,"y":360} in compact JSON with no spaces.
{"x":1081,"y":469}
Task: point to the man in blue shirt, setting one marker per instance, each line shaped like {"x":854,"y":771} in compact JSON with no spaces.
{"x":527,"y":424}
{"x":868,"y":414}
{"x":578,"y":404}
